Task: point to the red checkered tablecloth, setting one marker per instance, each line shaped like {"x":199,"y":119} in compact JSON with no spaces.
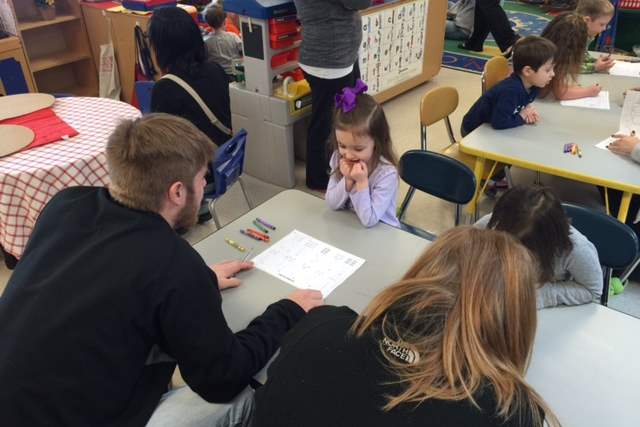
{"x":30,"y":178}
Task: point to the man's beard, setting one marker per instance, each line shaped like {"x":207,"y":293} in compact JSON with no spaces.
{"x":188,"y":215}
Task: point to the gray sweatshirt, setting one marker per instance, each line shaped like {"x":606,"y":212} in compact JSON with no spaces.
{"x":577,"y":275}
{"x":331,"y":32}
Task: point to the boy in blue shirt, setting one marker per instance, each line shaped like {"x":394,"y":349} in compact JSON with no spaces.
{"x":508,"y":103}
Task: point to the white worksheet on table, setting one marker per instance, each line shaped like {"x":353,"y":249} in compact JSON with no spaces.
{"x":630,"y":117}
{"x":600,"y":102}
{"x":307,"y":263}
{"x":623,"y":68}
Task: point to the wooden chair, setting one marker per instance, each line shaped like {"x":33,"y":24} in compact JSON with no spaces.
{"x":495,"y":70}
{"x":437,"y":105}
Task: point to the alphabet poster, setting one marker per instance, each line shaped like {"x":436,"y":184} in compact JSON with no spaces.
{"x":392,"y":48}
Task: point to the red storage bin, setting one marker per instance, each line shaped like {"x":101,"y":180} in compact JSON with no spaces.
{"x":280,"y":41}
{"x":283,"y":24}
{"x":284,"y":57}
{"x":297,"y":74}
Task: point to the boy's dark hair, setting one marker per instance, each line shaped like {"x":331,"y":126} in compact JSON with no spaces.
{"x":532,"y":51}
{"x":535,"y":216}
{"x":176,"y":40}
{"x":215,"y":16}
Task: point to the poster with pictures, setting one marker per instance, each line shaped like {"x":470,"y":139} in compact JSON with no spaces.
{"x":392,"y":48}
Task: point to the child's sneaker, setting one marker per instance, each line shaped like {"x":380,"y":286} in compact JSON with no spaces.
{"x":616,"y":287}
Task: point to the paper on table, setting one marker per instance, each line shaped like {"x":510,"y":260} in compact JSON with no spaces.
{"x":600,"y":102}
{"x":630,"y":117}
{"x":604,"y":144}
{"x":307,"y":263}
{"x":624,"y":68}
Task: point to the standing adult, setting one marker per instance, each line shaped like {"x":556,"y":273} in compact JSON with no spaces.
{"x":331,"y":36}
{"x":490,"y":17}
{"x":107,"y":299}
{"x":180,"y":51}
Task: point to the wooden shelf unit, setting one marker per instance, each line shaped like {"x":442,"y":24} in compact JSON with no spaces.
{"x":58,"y":50}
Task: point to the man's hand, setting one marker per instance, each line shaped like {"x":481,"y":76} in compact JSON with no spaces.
{"x":624,"y":144}
{"x":603,"y":63}
{"x":225,"y":272}
{"x":306,"y":298}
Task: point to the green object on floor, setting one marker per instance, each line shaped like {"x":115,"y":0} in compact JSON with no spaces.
{"x":616,"y":286}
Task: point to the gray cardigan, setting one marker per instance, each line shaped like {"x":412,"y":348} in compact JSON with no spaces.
{"x":577,"y":275}
{"x":331,"y":32}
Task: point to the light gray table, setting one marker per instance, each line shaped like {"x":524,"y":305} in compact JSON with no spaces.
{"x":540,"y":147}
{"x":388,"y":253}
{"x":584,"y":359}
{"x":585,"y":365}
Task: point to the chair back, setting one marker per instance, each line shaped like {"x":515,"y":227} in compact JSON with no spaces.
{"x":228,"y":163}
{"x":438,"y":104}
{"x":616,"y":243}
{"x":12,"y":78}
{"x":438,"y":175}
{"x":143,"y":93}
{"x":495,"y":70}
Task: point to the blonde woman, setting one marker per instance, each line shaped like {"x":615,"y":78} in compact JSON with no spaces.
{"x":448,"y":345}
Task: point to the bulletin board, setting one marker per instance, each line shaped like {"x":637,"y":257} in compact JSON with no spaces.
{"x":402,"y":45}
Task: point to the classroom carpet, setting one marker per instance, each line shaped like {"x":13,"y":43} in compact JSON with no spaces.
{"x":526,"y":19}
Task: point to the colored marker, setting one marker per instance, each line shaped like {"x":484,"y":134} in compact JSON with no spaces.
{"x":258,"y":234}
{"x":265,"y":223}
{"x":234,"y":244}
{"x":250,"y":235}
{"x":246,"y":257}
{"x":260,"y":226}
{"x":579,"y":151}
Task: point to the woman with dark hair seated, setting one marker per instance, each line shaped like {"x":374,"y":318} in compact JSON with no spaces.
{"x":568,"y":261}
{"x":180,"y":52}
{"x":448,"y":345}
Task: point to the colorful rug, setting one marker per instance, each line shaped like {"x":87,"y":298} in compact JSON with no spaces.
{"x":525,"y":19}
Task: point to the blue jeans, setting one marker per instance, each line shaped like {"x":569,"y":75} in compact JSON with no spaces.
{"x":183,"y":407}
{"x":453,"y":32}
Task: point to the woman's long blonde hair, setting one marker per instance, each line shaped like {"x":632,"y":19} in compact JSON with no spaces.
{"x":467,"y":311}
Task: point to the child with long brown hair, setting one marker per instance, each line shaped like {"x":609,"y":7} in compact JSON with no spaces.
{"x":569,"y":33}
{"x":363,"y":164}
{"x":448,"y":345}
{"x":570,"y":272}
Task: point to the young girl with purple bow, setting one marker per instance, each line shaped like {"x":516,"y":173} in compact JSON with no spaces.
{"x":363,"y":165}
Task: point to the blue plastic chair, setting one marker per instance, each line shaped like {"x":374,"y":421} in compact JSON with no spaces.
{"x":616,"y":243}
{"x":143,"y":93}
{"x":226,"y":169}
{"x":438,"y":175}
{"x":12,"y":77}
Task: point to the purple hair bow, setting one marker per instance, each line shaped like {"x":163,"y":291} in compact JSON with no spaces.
{"x":346,"y":101}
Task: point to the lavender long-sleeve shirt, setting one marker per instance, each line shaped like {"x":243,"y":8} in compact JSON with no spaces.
{"x":373,"y":204}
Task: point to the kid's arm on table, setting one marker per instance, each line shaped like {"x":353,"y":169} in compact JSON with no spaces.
{"x":503,"y":115}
